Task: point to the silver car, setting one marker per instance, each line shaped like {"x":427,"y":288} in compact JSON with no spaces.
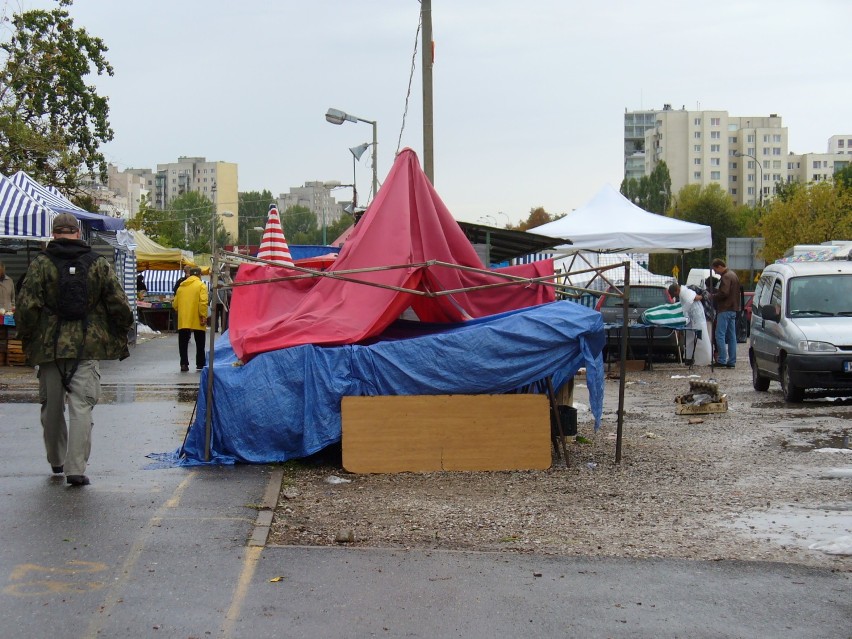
{"x":801,"y":329}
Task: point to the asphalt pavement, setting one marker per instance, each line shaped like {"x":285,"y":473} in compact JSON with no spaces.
{"x":179,"y":552}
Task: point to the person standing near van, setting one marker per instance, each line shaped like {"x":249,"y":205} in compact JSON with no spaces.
{"x":727,"y":302}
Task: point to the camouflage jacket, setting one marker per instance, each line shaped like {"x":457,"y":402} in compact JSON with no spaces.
{"x":45,"y":338}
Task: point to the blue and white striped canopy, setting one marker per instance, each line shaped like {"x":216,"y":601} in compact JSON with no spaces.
{"x":22,"y":215}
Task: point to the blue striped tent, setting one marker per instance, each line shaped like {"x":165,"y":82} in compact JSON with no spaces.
{"x":22,"y":215}
{"x":60,"y":204}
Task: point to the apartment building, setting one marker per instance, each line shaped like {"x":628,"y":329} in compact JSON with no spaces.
{"x":744,"y":155}
{"x":816,"y":167}
{"x":317,"y":197}
{"x":217,"y":181}
{"x":840,"y":144}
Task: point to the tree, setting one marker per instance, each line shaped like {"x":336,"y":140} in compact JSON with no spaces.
{"x":253,"y":211}
{"x":651,"y":192}
{"x":843,"y":177}
{"x":300,"y":226}
{"x":537,"y":217}
{"x":816,"y":213}
{"x":52,"y":123}
{"x":708,"y":205}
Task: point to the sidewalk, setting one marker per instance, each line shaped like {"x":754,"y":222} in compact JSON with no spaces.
{"x":168,"y":553}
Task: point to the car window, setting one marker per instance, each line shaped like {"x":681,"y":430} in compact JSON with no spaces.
{"x":775,"y":297}
{"x":642,"y":297}
{"x":761,"y":294}
{"x":820,"y":295}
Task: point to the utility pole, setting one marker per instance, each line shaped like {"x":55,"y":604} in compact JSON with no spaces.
{"x":428,"y":59}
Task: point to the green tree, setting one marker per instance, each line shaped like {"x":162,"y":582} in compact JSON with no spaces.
{"x":816,"y":213}
{"x":253,"y":211}
{"x":843,"y":177}
{"x":300,"y":226}
{"x":52,"y":123}
{"x":651,"y":192}
{"x":708,"y":205}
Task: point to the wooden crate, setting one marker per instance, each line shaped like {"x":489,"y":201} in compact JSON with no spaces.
{"x":445,"y":432}
{"x":15,"y":353}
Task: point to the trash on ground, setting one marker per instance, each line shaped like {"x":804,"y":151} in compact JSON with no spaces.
{"x":334,"y":479}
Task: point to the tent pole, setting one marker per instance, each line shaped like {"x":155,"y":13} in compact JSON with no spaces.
{"x":625,"y":304}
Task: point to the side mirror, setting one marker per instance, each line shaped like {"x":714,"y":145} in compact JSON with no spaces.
{"x":769,"y":312}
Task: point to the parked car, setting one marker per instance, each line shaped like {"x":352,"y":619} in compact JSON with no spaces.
{"x":665,"y":341}
{"x":744,"y":318}
{"x":801,"y":329}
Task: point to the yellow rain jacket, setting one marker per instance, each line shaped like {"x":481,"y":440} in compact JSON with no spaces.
{"x":190,"y":303}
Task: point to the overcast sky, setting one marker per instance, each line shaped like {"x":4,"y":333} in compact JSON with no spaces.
{"x":529,"y":97}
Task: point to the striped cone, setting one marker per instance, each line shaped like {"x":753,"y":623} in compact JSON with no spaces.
{"x":273,"y":246}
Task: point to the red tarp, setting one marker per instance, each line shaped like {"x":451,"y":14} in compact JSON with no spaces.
{"x":407,"y":223}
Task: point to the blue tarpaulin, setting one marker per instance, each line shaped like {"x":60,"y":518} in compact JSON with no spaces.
{"x":285,"y":404}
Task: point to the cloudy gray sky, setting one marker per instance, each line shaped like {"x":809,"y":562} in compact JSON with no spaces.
{"x":529,"y":97}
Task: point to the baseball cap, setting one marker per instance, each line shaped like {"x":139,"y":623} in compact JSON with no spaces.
{"x":65,"y":223}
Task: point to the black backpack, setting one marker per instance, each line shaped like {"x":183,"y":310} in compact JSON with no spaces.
{"x":73,"y":300}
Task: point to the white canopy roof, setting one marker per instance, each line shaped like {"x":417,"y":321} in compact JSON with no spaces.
{"x":610,"y":222}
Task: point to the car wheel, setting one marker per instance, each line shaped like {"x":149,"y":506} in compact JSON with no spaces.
{"x":759,"y":382}
{"x":792,"y":393}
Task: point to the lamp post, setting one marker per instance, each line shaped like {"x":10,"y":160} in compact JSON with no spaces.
{"x":357,"y":152}
{"x":336,"y":116}
{"x":214,"y":274}
{"x":738,"y":154}
{"x":508,"y":221}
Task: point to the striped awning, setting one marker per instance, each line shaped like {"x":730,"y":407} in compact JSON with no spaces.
{"x":22,"y":215}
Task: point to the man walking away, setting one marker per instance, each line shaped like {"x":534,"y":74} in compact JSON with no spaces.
{"x":191,"y":305}
{"x":71,"y":313}
{"x":727,"y":302}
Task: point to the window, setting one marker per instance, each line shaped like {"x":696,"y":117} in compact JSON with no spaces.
{"x":715,"y":175}
{"x":697,"y":175}
{"x":776,"y":150}
{"x":715,"y":162}
{"x":777,"y":138}
{"x":733,"y":178}
{"x":816,"y":164}
{"x":750,"y":190}
{"x":732,"y":140}
{"x":696,"y":161}
{"x":715,"y":135}
{"x":715,"y":121}
{"x":840,"y":144}
{"x":733,"y":191}
{"x":766,"y":150}
{"x":750,"y":177}
{"x":776,"y":164}
{"x":815,"y":177}
{"x":697,"y":148}
{"x":697,"y":135}
{"x":697,"y":121}
{"x":776,"y":177}
{"x":749,"y":151}
{"x":750,"y":138}
{"x":766,"y":138}
{"x":715,"y":148}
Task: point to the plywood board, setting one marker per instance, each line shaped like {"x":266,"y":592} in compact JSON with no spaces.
{"x":426,"y":433}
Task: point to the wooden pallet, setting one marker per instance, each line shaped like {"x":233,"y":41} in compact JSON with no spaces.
{"x":15,"y":353}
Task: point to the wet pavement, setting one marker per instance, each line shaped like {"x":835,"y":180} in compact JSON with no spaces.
{"x":178,"y":552}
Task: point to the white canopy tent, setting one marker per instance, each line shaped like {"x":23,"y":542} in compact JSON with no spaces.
{"x":609,"y":222}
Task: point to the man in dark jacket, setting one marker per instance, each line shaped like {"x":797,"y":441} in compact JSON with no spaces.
{"x":727,"y":303}
{"x":67,"y":351}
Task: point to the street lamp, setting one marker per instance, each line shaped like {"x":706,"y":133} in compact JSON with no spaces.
{"x":214,"y":274}
{"x":336,"y":116}
{"x":254,"y":228}
{"x":357,"y":152}
{"x":738,"y":154}
{"x":508,"y":221}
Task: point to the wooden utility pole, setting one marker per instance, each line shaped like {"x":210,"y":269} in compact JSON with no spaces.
{"x":428,"y":60}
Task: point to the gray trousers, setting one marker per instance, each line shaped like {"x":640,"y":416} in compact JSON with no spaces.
{"x":68,"y":444}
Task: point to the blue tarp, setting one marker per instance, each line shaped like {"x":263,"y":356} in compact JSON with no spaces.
{"x":285,"y":404}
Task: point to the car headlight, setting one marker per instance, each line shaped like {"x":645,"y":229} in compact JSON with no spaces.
{"x":808,"y":346}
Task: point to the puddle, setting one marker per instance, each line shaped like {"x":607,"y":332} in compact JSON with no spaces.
{"x":825,"y":529}
{"x":118,"y":394}
{"x":825,"y":442}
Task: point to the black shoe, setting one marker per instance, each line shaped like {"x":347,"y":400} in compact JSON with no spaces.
{"x":77,"y":480}
{"x":184,"y":368}
{"x":198,"y":369}
{"x":730,"y":365}
{"x":57,"y":470}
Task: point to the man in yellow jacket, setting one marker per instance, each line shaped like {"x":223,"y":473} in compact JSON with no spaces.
{"x":191,"y":305}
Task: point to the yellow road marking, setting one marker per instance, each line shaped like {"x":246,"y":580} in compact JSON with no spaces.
{"x":250,"y":562}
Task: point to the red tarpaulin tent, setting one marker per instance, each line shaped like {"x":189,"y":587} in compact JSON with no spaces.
{"x":407,"y":225}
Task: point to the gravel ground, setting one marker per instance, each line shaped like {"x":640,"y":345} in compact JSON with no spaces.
{"x":747,"y":484}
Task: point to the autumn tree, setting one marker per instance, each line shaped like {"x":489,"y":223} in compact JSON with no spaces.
{"x":52,"y":124}
{"x":537,"y":217}
{"x":816,"y":213}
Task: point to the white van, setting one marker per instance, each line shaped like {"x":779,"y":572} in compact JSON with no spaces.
{"x":801,"y":329}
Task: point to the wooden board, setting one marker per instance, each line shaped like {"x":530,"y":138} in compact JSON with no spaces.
{"x":426,"y":433}
{"x":704,"y":409}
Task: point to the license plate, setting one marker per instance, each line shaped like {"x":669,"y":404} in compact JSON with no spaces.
{"x":847,"y":367}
